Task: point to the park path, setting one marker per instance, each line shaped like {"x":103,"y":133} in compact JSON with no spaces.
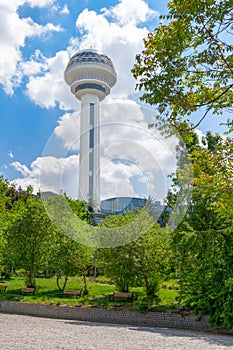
{"x":33,"y":333}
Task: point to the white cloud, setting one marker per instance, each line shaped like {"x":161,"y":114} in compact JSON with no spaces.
{"x":117,"y":179}
{"x":50,"y":174}
{"x":10,"y":154}
{"x":134,"y":160}
{"x":56,"y":174}
{"x":60,"y":10}
{"x":65,"y":10}
{"x":36,"y":3}
{"x":117,"y":32}
{"x":201,"y":136}
{"x":107,"y":31}
{"x":14,"y":32}
{"x":148,"y":158}
{"x":130,"y":11}
{"x":48,"y":87}
{"x":68,"y":130}
{"x":35,"y":65}
{"x":21,"y":168}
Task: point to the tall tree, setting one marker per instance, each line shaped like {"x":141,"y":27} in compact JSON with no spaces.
{"x":203,"y":242}
{"x":187,"y":63}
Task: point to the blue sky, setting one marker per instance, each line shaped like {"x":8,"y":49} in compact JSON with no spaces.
{"x":37,"y":39}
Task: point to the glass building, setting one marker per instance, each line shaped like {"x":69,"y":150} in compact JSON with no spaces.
{"x":118,"y":205}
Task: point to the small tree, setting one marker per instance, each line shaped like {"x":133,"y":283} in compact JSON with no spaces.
{"x":118,"y":263}
{"x":69,"y":258}
{"x":62,"y":259}
{"x":152,"y":257}
{"x":143,"y":261}
{"x":28,"y":238}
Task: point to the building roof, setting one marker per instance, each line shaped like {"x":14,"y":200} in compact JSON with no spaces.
{"x":91,"y":56}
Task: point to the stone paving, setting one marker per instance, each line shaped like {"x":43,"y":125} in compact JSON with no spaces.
{"x":34,"y":333}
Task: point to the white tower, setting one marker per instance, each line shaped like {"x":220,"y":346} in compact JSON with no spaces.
{"x":90,"y":75}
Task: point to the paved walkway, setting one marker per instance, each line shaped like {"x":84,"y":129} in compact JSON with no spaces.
{"x":32,"y":333}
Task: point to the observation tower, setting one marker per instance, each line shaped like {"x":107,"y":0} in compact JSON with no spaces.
{"x":90,"y":75}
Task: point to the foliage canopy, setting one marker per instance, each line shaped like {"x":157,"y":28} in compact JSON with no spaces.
{"x":187,"y":63}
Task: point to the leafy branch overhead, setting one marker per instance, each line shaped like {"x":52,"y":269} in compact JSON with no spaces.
{"x":187,"y":63}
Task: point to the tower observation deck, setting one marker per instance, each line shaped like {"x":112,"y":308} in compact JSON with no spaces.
{"x":90,"y":75}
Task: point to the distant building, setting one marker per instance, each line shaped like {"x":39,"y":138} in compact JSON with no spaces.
{"x":118,"y":205}
{"x":48,"y":194}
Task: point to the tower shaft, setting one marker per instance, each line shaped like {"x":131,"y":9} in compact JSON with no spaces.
{"x":89,"y":160}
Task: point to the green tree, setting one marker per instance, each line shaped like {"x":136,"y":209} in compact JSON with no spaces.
{"x":62,"y":260}
{"x":203,"y":242}
{"x":85,"y":261}
{"x":187,"y":63}
{"x":118,"y":263}
{"x":3,"y":201}
{"x":11,"y":200}
{"x":143,"y":261}
{"x":152,"y":255}
{"x":68,"y":256}
{"x":28,"y":238}
{"x":80,"y":208}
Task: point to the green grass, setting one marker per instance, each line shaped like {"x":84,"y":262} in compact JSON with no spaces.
{"x":47,"y":292}
{"x":167,"y":296}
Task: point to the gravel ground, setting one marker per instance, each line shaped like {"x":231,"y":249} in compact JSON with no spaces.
{"x":25,"y":332}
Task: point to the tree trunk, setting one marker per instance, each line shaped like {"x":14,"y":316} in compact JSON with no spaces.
{"x":148,"y":291}
{"x":30,"y":279}
{"x":58,"y":279}
{"x":85,"y":292}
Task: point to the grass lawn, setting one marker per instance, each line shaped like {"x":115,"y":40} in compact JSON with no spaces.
{"x":47,"y":292}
